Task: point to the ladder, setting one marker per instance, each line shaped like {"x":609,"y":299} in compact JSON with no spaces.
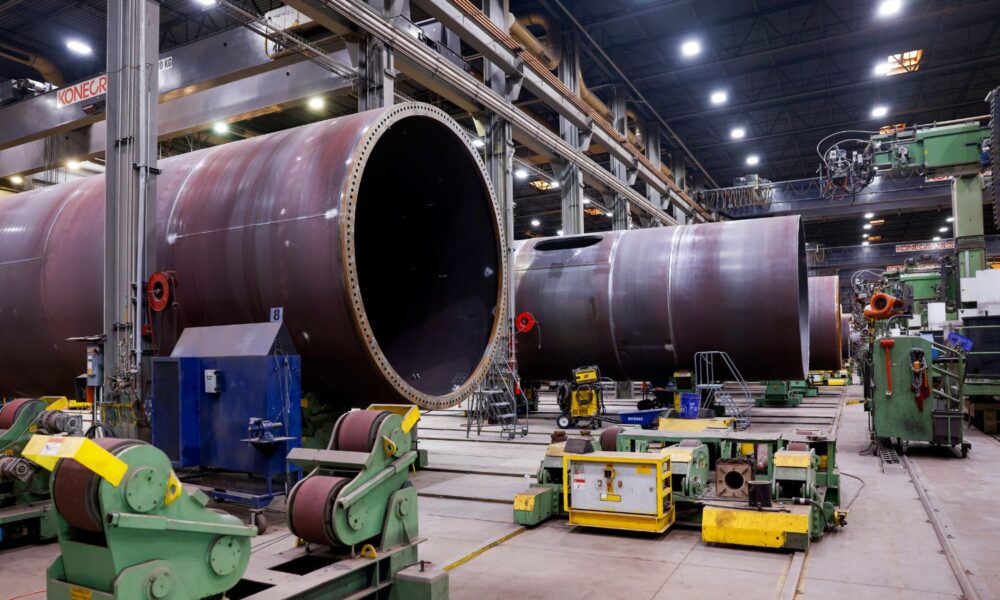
{"x":494,"y":401}
{"x":709,"y":385}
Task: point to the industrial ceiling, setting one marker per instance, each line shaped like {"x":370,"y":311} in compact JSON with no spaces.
{"x":789,"y":73}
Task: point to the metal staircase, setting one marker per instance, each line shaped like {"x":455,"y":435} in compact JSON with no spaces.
{"x":495,"y":402}
{"x":711,"y":369}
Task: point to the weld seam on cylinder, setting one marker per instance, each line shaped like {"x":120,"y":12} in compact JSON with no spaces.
{"x":612,"y":330}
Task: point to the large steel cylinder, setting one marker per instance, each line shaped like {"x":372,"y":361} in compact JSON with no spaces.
{"x":641,"y":303}
{"x":377,"y":233}
{"x":825,"y":350}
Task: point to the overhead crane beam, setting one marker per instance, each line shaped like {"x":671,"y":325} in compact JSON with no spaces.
{"x":417,"y":60}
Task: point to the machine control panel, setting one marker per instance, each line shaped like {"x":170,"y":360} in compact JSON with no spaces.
{"x":213,"y":381}
{"x":628,"y":488}
{"x":95,"y":366}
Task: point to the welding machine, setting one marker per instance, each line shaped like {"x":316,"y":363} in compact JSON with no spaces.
{"x":581,"y":398}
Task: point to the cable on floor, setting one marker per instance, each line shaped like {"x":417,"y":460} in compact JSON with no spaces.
{"x":41,"y":591}
{"x":848,"y":505}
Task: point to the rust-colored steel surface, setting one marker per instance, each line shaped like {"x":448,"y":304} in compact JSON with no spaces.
{"x":378,"y":234}
{"x":641,"y":303}
{"x":825,"y":351}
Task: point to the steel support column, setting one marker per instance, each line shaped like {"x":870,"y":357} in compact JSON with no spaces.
{"x":620,"y":206}
{"x":130,"y":193}
{"x":377,"y":75}
{"x":967,"y":208}
{"x":376,"y":81}
{"x":651,"y":138}
{"x":500,"y":152}
{"x":680,"y":176}
{"x":570,"y":178}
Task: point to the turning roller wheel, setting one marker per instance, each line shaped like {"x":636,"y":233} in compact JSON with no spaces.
{"x":609,"y":438}
{"x":357,"y":431}
{"x":311,"y":503}
{"x":9,"y":412}
{"x":75,"y":487}
{"x":311,"y":508}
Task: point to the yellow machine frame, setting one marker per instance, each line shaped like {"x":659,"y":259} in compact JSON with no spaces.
{"x":657,"y":523}
{"x":749,"y":527}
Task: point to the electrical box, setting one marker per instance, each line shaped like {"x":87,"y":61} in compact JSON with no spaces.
{"x":95,"y":366}
{"x":937,"y":315}
{"x":619,"y":490}
{"x":213,"y":383}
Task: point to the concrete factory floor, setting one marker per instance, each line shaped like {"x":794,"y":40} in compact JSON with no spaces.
{"x":888,"y":550}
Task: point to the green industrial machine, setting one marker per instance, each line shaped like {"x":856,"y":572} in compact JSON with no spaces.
{"x":916,"y":393}
{"x":757,"y":489}
{"x":356,"y":514}
{"x":958,"y":150}
{"x":781,"y":393}
{"x":129,"y":530}
{"x":25,"y":507}
{"x":945,"y":298}
{"x":778,"y":392}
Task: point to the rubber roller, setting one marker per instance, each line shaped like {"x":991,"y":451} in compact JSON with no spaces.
{"x":609,"y":438}
{"x":10,"y":411}
{"x":312,"y":502}
{"x":75,"y":487}
{"x":357,"y":431}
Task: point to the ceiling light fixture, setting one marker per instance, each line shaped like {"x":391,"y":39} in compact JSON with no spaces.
{"x":478,"y":143}
{"x":869,"y":215}
{"x":609,"y":214}
{"x":753,"y":159}
{"x":553,"y":185}
{"x":882,"y":69}
{"x":72,"y":165}
{"x":220,"y":127}
{"x":867,"y":226}
{"x":16,"y":179}
{"x":316,"y":103}
{"x":521,"y":174}
{"x":78,"y":47}
{"x":718,"y":97}
{"x":880,"y":111}
{"x":535,"y":222}
{"x":738,"y":133}
{"x":206,"y":2}
{"x":936,"y":238}
{"x":559,"y":232}
{"x":887,"y":8}
{"x":586,"y":200}
{"x":864,"y":243}
{"x":949,"y":219}
{"x":943,"y":229}
{"x":691,"y":48}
